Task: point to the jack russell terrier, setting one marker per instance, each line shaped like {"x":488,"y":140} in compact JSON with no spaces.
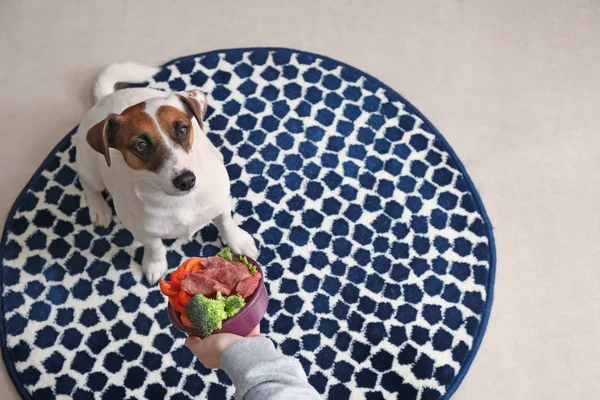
{"x":149,"y":149}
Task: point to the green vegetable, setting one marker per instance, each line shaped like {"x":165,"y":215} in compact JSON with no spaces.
{"x":233,"y":305}
{"x":206,"y":314}
{"x":228,"y":255}
{"x":252,"y":268}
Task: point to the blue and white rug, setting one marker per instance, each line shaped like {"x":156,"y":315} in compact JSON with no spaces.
{"x":378,"y":253}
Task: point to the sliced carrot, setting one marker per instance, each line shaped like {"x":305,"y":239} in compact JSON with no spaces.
{"x":196,"y":268}
{"x":183,"y":298}
{"x":177,"y":276}
{"x":194,"y":265}
{"x":189,"y":264}
{"x":176,"y":304}
{"x":167,"y":289}
{"x":175,"y":286}
{"x":185,"y":263}
{"x":186,"y":321}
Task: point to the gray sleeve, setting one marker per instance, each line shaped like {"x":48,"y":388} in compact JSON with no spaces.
{"x":258,"y":371}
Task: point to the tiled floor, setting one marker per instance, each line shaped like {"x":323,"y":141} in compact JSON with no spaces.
{"x":514,"y":86}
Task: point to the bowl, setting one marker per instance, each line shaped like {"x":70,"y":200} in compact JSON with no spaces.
{"x":241,"y":323}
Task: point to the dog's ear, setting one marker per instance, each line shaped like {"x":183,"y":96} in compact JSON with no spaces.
{"x":102,"y":135}
{"x":195,"y":100}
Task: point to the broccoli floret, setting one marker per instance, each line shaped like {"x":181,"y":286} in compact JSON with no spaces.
{"x":206,"y":314}
{"x":233,"y":305}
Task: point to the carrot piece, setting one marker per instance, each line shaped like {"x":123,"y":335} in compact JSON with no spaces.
{"x":189,"y":264}
{"x":176,"y":304}
{"x":185,"y":263}
{"x":186,"y":321}
{"x":196,"y":268}
{"x":177,"y":276}
{"x":179,"y":273}
{"x":183,"y":298}
{"x":167,"y":289}
{"x":175,"y":286}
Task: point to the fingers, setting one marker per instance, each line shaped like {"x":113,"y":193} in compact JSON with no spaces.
{"x":209,"y":350}
{"x":201,"y":350}
{"x":192,"y":340}
{"x":194,"y":344}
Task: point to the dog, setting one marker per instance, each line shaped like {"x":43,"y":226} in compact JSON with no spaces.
{"x":149,"y":149}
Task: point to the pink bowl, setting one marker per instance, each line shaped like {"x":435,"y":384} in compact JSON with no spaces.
{"x":241,"y":323}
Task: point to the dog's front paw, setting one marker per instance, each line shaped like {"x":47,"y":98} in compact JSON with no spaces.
{"x":100,"y":212}
{"x":240,"y":242}
{"x":154,"y":269}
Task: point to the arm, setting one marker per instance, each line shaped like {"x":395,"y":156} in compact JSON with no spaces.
{"x":259,"y":371}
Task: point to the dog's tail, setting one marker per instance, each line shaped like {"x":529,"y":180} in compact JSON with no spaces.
{"x":127,"y":72}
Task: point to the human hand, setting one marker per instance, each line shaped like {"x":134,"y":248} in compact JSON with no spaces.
{"x":210,"y":349}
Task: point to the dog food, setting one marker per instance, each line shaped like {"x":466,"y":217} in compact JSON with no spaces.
{"x":201,"y":283}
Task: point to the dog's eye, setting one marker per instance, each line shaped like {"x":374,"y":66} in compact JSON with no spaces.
{"x":183,"y":131}
{"x":141,"y":147}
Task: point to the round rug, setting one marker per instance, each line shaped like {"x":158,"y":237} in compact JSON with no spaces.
{"x":378,"y":253}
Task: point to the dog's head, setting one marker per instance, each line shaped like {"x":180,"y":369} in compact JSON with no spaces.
{"x":155,"y":138}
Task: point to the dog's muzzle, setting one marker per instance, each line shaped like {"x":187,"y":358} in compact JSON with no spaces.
{"x":185,"y":182}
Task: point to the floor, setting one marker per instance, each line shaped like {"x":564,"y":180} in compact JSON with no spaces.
{"x":514,"y":86}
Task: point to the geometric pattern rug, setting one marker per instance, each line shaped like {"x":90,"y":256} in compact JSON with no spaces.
{"x":378,"y":254}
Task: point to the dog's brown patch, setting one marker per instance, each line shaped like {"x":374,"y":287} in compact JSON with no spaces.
{"x":136,"y":125}
{"x":172,"y":119}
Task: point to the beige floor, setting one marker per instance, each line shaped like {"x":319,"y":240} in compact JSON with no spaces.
{"x":513,"y":85}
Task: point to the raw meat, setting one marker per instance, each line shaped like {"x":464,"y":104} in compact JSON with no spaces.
{"x":241,"y":270}
{"x":214,"y":262}
{"x":221,"y":275}
{"x":201,"y":283}
{"x":247,"y":286}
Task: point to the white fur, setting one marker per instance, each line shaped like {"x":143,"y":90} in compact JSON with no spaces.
{"x":121,"y":72}
{"x":147,"y":203}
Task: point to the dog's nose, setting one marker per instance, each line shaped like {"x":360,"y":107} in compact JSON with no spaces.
{"x":185,"y":181}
